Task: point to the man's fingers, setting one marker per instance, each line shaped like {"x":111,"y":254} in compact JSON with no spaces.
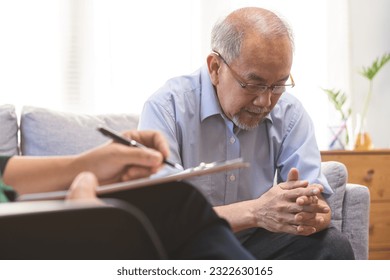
{"x":307,"y":200}
{"x":294,"y":184}
{"x":294,"y":208}
{"x":315,"y":208}
{"x":294,"y":193}
{"x":305,"y":230}
{"x":299,"y":229}
{"x":306,"y":218}
{"x":293,"y":175}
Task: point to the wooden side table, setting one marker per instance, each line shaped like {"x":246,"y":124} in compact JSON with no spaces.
{"x":372,"y":169}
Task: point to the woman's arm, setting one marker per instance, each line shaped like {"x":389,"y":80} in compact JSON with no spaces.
{"x":111,"y":162}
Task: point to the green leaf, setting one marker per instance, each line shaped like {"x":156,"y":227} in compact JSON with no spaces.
{"x":338,"y":99}
{"x":378,"y":63}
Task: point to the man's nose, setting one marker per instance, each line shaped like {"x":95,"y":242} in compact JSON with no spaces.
{"x":263,"y":99}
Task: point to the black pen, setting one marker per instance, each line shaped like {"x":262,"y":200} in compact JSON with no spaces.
{"x":129,"y":142}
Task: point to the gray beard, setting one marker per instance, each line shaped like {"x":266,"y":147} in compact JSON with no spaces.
{"x":243,"y":126}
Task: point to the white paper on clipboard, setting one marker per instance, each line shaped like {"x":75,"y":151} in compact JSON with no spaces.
{"x":202,"y":169}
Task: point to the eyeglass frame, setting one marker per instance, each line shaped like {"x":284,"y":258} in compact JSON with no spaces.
{"x":256,"y":88}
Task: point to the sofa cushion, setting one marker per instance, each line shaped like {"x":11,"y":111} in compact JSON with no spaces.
{"x":8,"y":130}
{"x":336,"y":174}
{"x":50,"y":132}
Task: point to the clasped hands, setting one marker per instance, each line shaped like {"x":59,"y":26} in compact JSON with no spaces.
{"x":293,"y":207}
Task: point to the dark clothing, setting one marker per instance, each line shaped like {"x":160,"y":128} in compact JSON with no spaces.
{"x":6,"y":192}
{"x":3,"y":163}
{"x":185,"y":222}
{"x":329,"y":244}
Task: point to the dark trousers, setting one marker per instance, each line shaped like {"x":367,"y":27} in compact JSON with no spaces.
{"x":187,"y":225}
{"x":329,"y":244}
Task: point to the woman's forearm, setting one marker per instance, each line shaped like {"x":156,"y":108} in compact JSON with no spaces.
{"x":32,"y":174}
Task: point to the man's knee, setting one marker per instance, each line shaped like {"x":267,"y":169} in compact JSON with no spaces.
{"x":326,"y":244}
{"x":335,"y":245}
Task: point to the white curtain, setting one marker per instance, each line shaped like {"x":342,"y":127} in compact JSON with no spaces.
{"x":137,"y":47}
{"x":31,"y":52}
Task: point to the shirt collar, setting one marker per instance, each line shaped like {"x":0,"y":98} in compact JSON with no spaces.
{"x":209,"y":104}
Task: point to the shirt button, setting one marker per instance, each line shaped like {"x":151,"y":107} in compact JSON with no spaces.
{"x":232,"y":177}
{"x":232,"y":140}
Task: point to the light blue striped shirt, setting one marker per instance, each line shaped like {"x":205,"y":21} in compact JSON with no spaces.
{"x":187,"y":111}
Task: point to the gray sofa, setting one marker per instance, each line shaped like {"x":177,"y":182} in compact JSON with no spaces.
{"x":39,"y":131}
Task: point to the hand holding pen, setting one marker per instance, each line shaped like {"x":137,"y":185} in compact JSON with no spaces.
{"x":131,"y":142}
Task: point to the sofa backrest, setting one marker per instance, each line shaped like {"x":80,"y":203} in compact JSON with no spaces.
{"x":49,"y":132}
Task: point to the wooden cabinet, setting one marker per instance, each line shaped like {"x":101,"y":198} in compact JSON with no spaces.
{"x":372,"y":169}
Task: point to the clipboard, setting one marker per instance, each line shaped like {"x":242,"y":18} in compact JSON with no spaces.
{"x":201,"y":169}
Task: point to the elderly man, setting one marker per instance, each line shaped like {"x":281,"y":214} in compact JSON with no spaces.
{"x":237,"y":106}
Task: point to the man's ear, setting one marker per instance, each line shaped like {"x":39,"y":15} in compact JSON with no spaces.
{"x":213,"y":65}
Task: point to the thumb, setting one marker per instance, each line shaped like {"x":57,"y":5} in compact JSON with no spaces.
{"x":83,"y":186}
{"x":293,"y":175}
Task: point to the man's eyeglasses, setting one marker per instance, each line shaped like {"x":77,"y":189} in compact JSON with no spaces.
{"x":256,"y":88}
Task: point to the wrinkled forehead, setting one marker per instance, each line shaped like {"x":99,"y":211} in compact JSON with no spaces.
{"x":273,"y":52}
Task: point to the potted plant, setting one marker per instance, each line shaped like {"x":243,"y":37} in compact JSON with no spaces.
{"x":339,"y":98}
{"x":339,"y":101}
{"x":363,"y":140}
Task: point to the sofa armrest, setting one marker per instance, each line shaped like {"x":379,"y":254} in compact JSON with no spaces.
{"x":350,"y":205}
{"x":356,"y":218}
{"x":9,"y":130}
{"x":336,"y":175}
